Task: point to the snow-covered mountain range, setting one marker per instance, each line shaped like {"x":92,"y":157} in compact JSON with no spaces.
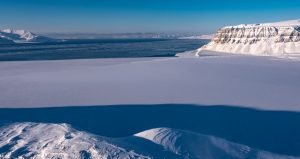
{"x":158,"y":35}
{"x":280,"y":39}
{"x":40,"y":140}
{"x":204,"y":37}
{"x":21,"y":36}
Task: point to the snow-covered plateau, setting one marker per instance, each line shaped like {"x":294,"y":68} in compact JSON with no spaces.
{"x":20,"y":36}
{"x":40,"y":141}
{"x":281,"y":39}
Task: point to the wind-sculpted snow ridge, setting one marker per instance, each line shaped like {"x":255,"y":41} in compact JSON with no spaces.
{"x":21,"y":36}
{"x":280,"y":39}
{"x":43,"y":141}
{"x":196,"y":146}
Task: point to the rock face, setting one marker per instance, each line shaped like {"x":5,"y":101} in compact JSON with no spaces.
{"x":280,"y":39}
{"x":21,"y":36}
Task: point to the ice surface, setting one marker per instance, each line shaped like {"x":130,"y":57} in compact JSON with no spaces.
{"x":213,"y":79}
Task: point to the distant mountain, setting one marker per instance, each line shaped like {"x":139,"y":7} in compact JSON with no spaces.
{"x":204,"y":37}
{"x":118,"y":35}
{"x":280,"y":39}
{"x":21,"y":36}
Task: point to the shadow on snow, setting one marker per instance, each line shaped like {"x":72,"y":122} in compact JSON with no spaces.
{"x":274,"y":131}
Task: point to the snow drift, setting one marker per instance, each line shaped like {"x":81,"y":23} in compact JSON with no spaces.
{"x":30,"y":140}
{"x":281,"y":39}
{"x":40,"y":140}
{"x":192,"y":145}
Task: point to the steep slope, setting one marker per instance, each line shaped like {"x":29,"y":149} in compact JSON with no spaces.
{"x":281,"y":39}
{"x":39,"y":141}
{"x":21,"y":36}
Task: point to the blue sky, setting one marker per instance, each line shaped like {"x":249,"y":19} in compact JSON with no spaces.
{"x":119,"y":16}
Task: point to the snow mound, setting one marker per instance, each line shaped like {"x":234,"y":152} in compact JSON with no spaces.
{"x":192,"y":145}
{"x":41,"y":140}
{"x":22,"y":36}
{"x":280,"y":39}
{"x":187,"y":54}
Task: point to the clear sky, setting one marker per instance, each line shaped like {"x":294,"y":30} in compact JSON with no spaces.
{"x":119,"y":16}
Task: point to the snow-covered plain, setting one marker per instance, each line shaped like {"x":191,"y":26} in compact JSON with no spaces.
{"x":213,"y":79}
{"x":39,"y":141}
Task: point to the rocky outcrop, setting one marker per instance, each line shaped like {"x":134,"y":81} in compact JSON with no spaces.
{"x":274,"y":39}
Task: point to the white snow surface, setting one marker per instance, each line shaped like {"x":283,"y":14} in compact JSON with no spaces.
{"x":41,"y":141}
{"x":211,"y":79}
{"x":193,"y":145}
{"x":271,"y":24}
{"x":280,"y":39}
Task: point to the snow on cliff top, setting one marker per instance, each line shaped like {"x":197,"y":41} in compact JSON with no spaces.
{"x":288,"y":23}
